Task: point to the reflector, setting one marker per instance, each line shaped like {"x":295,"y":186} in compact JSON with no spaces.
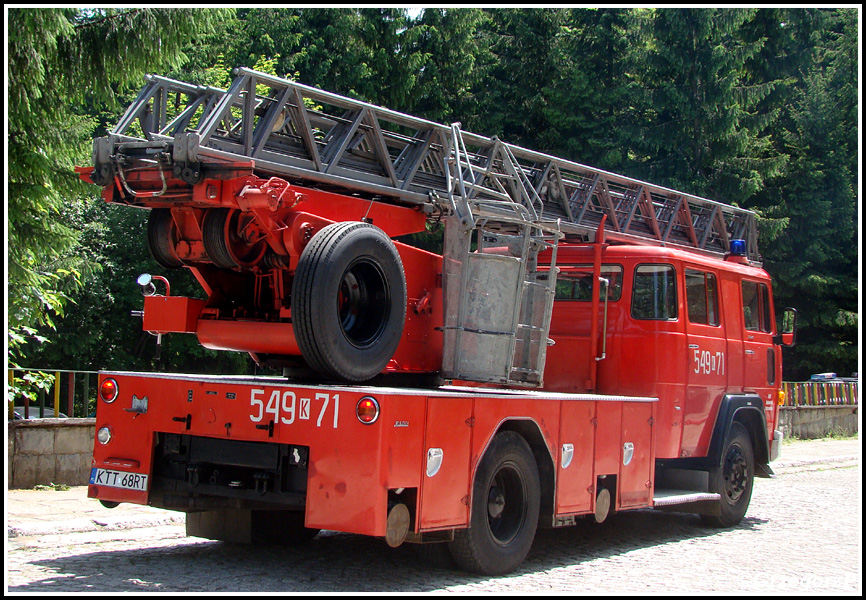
{"x":108,"y":390}
{"x":367,"y":410}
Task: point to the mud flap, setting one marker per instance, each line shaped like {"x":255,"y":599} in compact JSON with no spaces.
{"x":227,"y":525}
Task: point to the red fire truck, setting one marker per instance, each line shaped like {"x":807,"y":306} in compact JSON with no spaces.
{"x":583,"y":343}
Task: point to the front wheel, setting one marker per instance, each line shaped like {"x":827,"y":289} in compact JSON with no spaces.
{"x":504,"y":514}
{"x":733,"y":480}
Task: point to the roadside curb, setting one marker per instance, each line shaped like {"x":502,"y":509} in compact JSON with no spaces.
{"x":87,"y":525}
{"x":783,"y":466}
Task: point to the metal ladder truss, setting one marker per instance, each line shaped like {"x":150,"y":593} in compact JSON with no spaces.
{"x":294,"y":131}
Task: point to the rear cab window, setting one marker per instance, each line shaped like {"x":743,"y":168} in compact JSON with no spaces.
{"x":574,"y":282}
{"x":702,"y":297}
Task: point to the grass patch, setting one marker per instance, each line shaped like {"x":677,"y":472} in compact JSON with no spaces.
{"x":833,"y":435}
{"x":57,"y":487}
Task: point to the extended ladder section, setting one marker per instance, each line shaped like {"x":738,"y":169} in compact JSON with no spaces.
{"x":312,"y":136}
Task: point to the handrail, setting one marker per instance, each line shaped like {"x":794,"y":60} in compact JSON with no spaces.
{"x":57,"y":388}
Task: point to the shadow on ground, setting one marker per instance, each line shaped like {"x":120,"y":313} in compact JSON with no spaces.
{"x":335,"y":562}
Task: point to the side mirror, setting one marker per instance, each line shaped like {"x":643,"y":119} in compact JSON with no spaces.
{"x":788,"y":330}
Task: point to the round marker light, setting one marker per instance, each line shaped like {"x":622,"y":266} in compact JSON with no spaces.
{"x":108,"y":390}
{"x":103,"y":435}
{"x":367,"y":410}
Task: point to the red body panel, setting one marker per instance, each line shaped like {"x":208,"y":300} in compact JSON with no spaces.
{"x":352,"y":466}
{"x":688,"y":366}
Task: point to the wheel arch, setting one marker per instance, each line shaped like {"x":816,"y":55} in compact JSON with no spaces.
{"x":530,"y":431}
{"x":748,"y":411}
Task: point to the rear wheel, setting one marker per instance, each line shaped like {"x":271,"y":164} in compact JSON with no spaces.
{"x":504,"y":513}
{"x":733,"y":480}
{"x":349,"y":301}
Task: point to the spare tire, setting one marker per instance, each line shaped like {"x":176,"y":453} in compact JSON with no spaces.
{"x":349,"y":301}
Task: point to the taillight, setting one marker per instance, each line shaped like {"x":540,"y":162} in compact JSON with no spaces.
{"x":367,"y":410}
{"x":108,"y":390}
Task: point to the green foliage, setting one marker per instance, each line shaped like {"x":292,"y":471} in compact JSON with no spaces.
{"x":65,"y":66}
{"x":816,"y":261}
{"x":28,"y":387}
{"x":449,"y":40}
{"x":587,"y":93}
{"x":523,"y":46}
{"x":701,"y":130}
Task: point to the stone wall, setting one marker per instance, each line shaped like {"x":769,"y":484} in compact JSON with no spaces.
{"x":813,"y":422}
{"x":45,"y":451}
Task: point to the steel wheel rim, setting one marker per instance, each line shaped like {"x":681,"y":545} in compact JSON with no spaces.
{"x":363,"y":303}
{"x":736,"y":474}
{"x":242,"y":252}
{"x":507,"y":503}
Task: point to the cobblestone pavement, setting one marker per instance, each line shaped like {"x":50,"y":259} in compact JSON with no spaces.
{"x":802,"y":535}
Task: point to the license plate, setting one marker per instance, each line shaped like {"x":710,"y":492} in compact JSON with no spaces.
{"x":119,"y":479}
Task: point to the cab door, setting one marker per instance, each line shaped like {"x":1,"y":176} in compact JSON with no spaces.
{"x":708,"y":358}
{"x":759,"y":361}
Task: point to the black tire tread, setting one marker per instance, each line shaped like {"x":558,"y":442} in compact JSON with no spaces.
{"x":729,"y":518}
{"x":213,"y":237}
{"x":468,"y":549}
{"x":317,"y":252}
{"x":159,"y":238}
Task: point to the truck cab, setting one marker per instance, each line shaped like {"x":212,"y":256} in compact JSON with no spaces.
{"x":672,"y":324}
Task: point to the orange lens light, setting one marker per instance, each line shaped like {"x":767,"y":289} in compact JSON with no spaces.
{"x":108,"y":390}
{"x":367,"y":410}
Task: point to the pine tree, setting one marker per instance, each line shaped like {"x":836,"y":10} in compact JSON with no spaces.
{"x":523,"y":43}
{"x":587,"y":93}
{"x":65,"y":65}
{"x":703,"y":131}
{"x":816,"y":261}
{"x":448,"y":82}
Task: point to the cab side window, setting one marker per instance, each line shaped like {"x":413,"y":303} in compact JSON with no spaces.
{"x":702,"y":298}
{"x":756,"y":306}
{"x":654,"y":295}
{"x":575,"y":283}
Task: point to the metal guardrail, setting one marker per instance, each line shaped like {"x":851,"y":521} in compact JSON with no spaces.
{"x":70,"y":393}
{"x":820,"y":393}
